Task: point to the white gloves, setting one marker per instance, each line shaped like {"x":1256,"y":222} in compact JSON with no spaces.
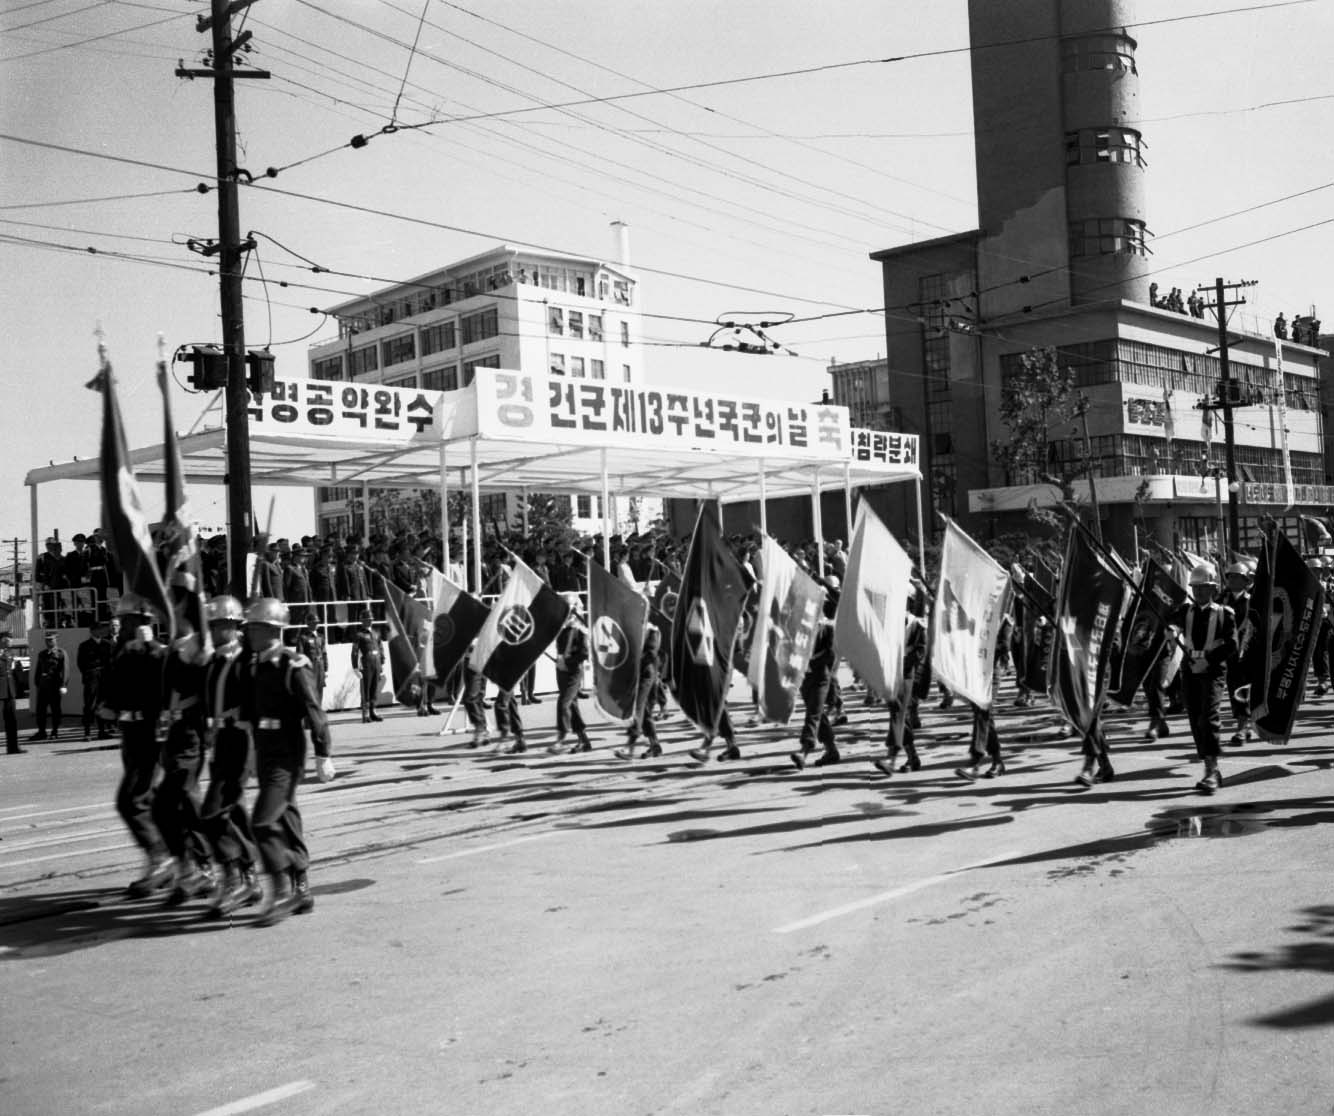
{"x":324,"y":769}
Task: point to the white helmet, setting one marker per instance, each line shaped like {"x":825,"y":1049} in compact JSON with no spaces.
{"x":1203,"y":574}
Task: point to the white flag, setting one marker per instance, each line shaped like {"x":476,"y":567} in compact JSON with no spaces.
{"x":872,"y":612}
{"x":969,"y":610}
{"x":787,"y":617}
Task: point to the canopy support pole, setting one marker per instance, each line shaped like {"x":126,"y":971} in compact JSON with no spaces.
{"x":463,"y":540}
{"x":366,"y":512}
{"x":817,"y":521}
{"x":476,"y":522}
{"x":764,"y":510}
{"x":606,"y":515}
{"x":847,"y":501}
{"x":523,"y":508}
{"x":445,"y":557}
{"x":921,"y":534}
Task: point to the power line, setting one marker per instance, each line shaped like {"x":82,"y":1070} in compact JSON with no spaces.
{"x":91,"y":39}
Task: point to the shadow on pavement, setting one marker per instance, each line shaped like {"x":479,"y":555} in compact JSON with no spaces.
{"x":1313,"y":955}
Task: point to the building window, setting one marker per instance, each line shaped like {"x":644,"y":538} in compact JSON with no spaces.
{"x":480,"y":326}
{"x":576,"y":324}
{"x":625,"y":333}
{"x":588,"y":507}
{"x":558,"y":364}
{"x":597,"y":370}
{"x":555,"y":321}
{"x":402,"y":381}
{"x":1090,"y":146}
{"x":395,"y":350}
{"x":595,"y":327}
{"x":361,"y":361}
{"x":441,"y":379}
{"x":438,"y":338}
{"x":492,"y":361}
{"x":577,"y":367}
{"x":328,"y":369}
{"x":1108,"y":236}
{"x":620,"y":291}
{"x":1098,"y":52}
{"x":625,"y":373}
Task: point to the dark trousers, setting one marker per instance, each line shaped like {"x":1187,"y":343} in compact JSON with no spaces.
{"x":370,"y":683}
{"x":275,"y":819}
{"x":641,"y":724}
{"x":568,"y":716}
{"x":507,"y":715}
{"x":11,"y":725}
{"x":815,"y":724}
{"x":176,"y":805}
{"x":526,"y":684}
{"x":48,"y":704}
{"x":474,"y":694}
{"x":139,"y":754}
{"x":984,"y":743}
{"x":226,"y":822}
{"x":1241,"y":707}
{"x":92,"y":683}
{"x":1153,"y":691}
{"x":1204,"y":706}
{"x":1320,"y":655}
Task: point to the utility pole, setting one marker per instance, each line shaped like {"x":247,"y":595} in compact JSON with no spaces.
{"x":229,"y":250}
{"x":16,"y":543}
{"x":1226,"y":402}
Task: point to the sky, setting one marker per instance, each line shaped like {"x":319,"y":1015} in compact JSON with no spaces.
{"x":813,"y":138}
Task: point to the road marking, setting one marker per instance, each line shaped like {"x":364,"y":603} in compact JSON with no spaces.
{"x":45,"y":813}
{"x":259,"y":1100}
{"x":886,"y":896}
{"x":491,"y":848}
{"x":25,"y":806}
{"x":124,"y":848}
{"x":46,"y":842}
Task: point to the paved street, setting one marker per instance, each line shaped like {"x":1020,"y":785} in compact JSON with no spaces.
{"x":579,"y":935}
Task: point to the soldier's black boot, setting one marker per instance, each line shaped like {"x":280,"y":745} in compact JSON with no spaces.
{"x":303,"y":899}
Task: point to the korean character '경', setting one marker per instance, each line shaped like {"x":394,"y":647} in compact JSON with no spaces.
{"x":592,"y":405}
{"x":319,"y":404}
{"x":388,"y":408}
{"x":514,"y":399}
{"x":356,"y":401}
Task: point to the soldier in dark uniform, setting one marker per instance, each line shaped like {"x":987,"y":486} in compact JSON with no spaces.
{"x":509,"y":720}
{"x":93,"y":658}
{"x":474,"y":701}
{"x":77,"y":579}
{"x":50,"y":679}
{"x":226,"y":823}
{"x":368,"y":660}
{"x":1209,"y":633}
{"x":296,"y":585}
{"x":9,"y":692}
{"x":278,"y":700}
{"x":815,"y":694}
{"x":99,"y":568}
{"x":571,"y":654}
{"x":49,"y":574}
{"x":353,"y":579}
{"x":132,"y":696}
{"x":900,"y":736}
{"x":269,"y":574}
{"x":310,"y":643}
{"x":176,"y":803}
{"x":641,"y":723}
{"x":1237,"y":597}
{"x":983,"y":745}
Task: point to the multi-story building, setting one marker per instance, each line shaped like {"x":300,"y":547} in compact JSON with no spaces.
{"x":862,"y":386}
{"x":1061,"y":259}
{"x":506,"y":308}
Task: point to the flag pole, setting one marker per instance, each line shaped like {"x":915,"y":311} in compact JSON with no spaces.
{"x":764,"y":510}
{"x":606,"y":509}
{"x":817,"y":527}
{"x":444,"y":504}
{"x":847,"y":499}
{"x":476,"y":521}
{"x":921,"y":531}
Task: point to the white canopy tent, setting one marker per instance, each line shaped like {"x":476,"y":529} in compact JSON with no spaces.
{"x":519,"y":431}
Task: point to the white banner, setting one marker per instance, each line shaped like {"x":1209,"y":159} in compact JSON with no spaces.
{"x":969,"y":610}
{"x":356,"y":412}
{"x":869,"y":627}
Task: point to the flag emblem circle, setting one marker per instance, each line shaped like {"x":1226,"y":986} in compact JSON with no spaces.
{"x":609,"y":643}
{"x":444,"y":629}
{"x":669,"y":601}
{"x":515,"y":625}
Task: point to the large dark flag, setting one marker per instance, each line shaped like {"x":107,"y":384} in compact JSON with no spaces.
{"x":1088,"y":613}
{"x":456,"y":620}
{"x":409,"y":626}
{"x":123,"y":520}
{"x":617,"y":615}
{"x":708,"y":614}
{"x":183,"y":569}
{"x":1287,"y":605}
{"x":1144,"y":631}
{"x":789,"y":605}
{"x":521,"y":625}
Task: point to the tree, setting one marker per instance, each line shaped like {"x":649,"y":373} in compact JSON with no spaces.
{"x":549,"y":521}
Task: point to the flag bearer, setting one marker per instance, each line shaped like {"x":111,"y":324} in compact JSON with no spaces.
{"x":474,"y":700}
{"x":815,"y":694}
{"x":1237,"y":597}
{"x":900,"y":736}
{"x":278,"y":700}
{"x":571,"y":654}
{"x":1209,"y":633}
{"x":642,"y":720}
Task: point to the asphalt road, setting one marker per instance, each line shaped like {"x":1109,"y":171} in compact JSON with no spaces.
{"x":580,"y":935}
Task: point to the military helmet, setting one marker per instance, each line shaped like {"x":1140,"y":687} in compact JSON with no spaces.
{"x":224,"y":608}
{"x":1203,"y":574}
{"x":1237,"y":569}
{"x":266,"y":610}
{"x":131,"y":604}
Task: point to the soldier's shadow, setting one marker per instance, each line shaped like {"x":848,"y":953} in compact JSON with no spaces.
{"x":63,"y":922}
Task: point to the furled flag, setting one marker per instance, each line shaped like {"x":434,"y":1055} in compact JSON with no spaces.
{"x":746,"y":629}
{"x":870,"y":624}
{"x":1289,"y":597}
{"x":662,"y":611}
{"x":789,"y":605}
{"x":1088,"y":615}
{"x":1316,"y":533}
{"x":1144,"y":631}
{"x":409,"y":627}
{"x":521,"y":625}
{"x":123,"y":518}
{"x":457,"y":617}
{"x":184,"y":568}
{"x":969,"y":610}
{"x":708,"y":614}
{"x":616,"y":638}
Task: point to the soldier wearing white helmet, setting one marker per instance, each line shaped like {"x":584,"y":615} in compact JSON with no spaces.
{"x":1209,"y":634}
{"x":1320,"y":656}
{"x":278,"y":700}
{"x":571,"y":654}
{"x":225,"y":819}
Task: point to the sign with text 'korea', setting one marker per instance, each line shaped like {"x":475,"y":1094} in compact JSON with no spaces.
{"x":553,"y":408}
{"x":357,"y":412}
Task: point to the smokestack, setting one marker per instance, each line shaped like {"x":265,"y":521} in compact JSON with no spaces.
{"x":620,"y":233}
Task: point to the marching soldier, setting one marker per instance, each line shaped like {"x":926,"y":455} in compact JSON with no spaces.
{"x":900,"y":736}
{"x":1209,"y":634}
{"x":225,"y":820}
{"x":474,"y":701}
{"x":815,"y":694}
{"x":278,"y":699}
{"x":133,"y":699}
{"x":51,"y":681}
{"x":571,"y":654}
{"x":1237,"y":597}
{"x":509,"y":720}
{"x":642,"y":720}
{"x":368,"y":660}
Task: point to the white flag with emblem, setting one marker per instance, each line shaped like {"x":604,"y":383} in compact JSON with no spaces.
{"x":969,"y":610}
{"x":872,"y":616}
{"x":521,"y":625}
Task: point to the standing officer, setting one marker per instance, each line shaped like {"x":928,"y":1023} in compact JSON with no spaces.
{"x":352,"y":581}
{"x":1209,"y":634}
{"x":310,"y":643}
{"x":49,"y":574}
{"x":51,"y":681}
{"x":815,"y":693}
{"x":1237,"y":597}
{"x":269,"y":573}
{"x":296,"y":585}
{"x":367,"y":660}
{"x":92,"y":658}
{"x":571,"y":654}
{"x":278,"y":700}
{"x":641,"y":723}
{"x":226,"y":823}
{"x":132,"y":696}
{"x":9,"y":692}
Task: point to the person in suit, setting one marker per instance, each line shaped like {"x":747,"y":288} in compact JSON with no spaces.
{"x":49,"y":574}
{"x":269,"y":574}
{"x":9,"y":693}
